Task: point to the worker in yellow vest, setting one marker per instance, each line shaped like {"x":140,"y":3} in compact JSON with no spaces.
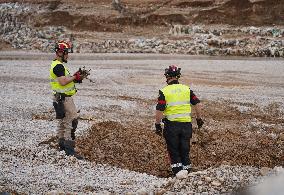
{"x":174,"y":109}
{"x":63,"y":88}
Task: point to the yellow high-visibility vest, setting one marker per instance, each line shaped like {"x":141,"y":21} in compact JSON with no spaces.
{"x":178,"y":107}
{"x":68,"y":89}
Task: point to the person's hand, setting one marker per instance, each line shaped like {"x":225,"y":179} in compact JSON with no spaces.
{"x":199,"y":122}
{"x":78,"y":77}
{"x":159,"y":129}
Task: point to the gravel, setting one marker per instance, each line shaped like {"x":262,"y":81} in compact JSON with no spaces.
{"x":29,"y":167}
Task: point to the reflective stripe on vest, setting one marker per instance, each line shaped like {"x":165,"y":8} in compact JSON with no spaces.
{"x":68,"y":89}
{"x":64,"y":90}
{"x":173,"y":116}
{"x":178,"y":106}
{"x":178,"y":103}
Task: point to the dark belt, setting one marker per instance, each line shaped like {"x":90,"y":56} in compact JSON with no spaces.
{"x":61,"y":96}
{"x":64,"y":95}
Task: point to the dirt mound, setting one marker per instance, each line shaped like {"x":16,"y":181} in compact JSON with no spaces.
{"x":227,"y":138}
{"x":244,"y":12}
{"x":132,"y":147}
{"x":186,"y":4}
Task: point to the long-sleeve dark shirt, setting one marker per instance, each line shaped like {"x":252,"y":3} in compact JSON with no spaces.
{"x":59,"y":70}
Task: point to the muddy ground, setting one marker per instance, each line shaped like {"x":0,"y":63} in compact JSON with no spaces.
{"x":242,"y":110}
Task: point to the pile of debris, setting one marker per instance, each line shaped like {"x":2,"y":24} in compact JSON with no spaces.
{"x":135,"y":146}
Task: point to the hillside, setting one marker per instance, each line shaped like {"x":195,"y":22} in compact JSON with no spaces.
{"x":224,"y":27}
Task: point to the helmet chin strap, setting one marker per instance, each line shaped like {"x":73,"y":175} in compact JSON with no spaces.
{"x":62,"y":58}
{"x":170,"y":79}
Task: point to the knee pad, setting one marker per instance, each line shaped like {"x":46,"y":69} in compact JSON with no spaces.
{"x":75,"y":124}
{"x":61,"y":143}
{"x":175,"y":170}
{"x":74,"y":127}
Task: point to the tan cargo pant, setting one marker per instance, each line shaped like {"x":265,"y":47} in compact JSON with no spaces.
{"x":65,"y":125}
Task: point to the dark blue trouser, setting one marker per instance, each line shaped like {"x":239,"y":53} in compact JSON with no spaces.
{"x":177,"y":135}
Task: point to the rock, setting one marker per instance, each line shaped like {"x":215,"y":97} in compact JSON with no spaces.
{"x":130,"y":193}
{"x":216,"y":183}
{"x":281,"y":136}
{"x":55,"y":192}
{"x":235,"y":178}
{"x":182,"y":174}
{"x":142,"y":191}
{"x":160,"y":192}
{"x":207,"y":179}
{"x":264,"y":171}
{"x":226,"y":163}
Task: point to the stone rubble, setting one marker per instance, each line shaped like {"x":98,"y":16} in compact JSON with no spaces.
{"x":192,"y":40}
{"x":29,"y":167}
{"x":226,"y":180}
{"x":23,"y":36}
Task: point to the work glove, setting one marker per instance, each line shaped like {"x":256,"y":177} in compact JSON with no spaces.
{"x":78,"y":77}
{"x":199,"y":122}
{"x":159,"y":129}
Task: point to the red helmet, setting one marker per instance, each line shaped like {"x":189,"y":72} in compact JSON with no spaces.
{"x":173,"y":71}
{"x":63,"y":46}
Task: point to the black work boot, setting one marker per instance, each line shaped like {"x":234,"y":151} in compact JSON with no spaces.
{"x":188,"y":168}
{"x":61,"y":144}
{"x":175,"y":170}
{"x":69,"y":149}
